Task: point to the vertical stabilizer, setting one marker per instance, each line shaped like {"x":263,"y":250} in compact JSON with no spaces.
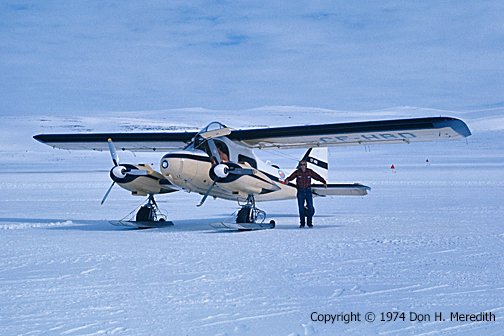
{"x":317,"y":159}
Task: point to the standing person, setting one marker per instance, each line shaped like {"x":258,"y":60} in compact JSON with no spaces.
{"x":303,"y":176}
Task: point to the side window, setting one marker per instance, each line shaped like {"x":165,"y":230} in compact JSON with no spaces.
{"x":249,"y":160}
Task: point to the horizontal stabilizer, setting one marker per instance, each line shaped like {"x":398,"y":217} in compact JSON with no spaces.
{"x":335,"y":189}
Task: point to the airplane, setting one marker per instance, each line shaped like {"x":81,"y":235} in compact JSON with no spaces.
{"x":221,"y":162}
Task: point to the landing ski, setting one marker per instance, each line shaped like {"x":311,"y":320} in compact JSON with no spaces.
{"x":243,"y":226}
{"x":142,"y":225}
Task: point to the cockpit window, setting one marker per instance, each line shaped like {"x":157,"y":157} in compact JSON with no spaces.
{"x":223,"y":150}
{"x":199,"y":142}
{"x":213,"y":126}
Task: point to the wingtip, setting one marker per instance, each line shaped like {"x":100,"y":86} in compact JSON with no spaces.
{"x":461,"y":128}
{"x":458,"y":125}
{"x":38,"y":137}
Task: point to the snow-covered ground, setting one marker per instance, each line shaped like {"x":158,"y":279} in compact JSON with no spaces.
{"x":427,"y":239}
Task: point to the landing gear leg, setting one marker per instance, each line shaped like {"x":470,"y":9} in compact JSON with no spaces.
{"x":248,"y":218}
{"x":249,"y":213}
{"x":149,"y":212}
{"x":148,"y":216}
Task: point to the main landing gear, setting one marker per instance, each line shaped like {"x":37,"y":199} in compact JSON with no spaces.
{"x":149,"y":212}
{"x":249,"y":217}
{"x":148,"y":216}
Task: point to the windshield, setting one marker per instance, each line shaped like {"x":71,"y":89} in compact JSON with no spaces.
{"x":198,"y":142}
{"x":214,"y":125}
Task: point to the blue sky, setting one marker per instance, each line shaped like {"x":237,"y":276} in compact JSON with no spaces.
{"x":86,"y":56}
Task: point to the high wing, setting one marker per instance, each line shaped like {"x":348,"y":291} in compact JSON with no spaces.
{"x":354,"y":133}
{"x":136,"y":142}
{"x":324,"y":135}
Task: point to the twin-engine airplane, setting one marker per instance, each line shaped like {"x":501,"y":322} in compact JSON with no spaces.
{"x":220,"y":162}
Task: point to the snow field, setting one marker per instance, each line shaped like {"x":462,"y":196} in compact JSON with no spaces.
{"x":428,"y":238}
{"x":409,"y":246}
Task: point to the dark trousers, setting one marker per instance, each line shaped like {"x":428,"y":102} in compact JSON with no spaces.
{"x":304,"y":196}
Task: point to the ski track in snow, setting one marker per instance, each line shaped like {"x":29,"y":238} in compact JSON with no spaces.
{"x":426,"y":239}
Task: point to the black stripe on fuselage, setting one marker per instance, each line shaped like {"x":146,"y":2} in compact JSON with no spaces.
{"x":187,"y":156}
{"x":258,"y":177}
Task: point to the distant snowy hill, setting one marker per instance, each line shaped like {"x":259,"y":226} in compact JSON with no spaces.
{"x":18,"y":147}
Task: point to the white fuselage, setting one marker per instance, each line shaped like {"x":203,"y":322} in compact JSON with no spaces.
{"x":191,"y":170}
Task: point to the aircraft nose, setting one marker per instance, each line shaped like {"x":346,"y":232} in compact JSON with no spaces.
{"x":183,"y":164}
{"x":171,"y":165}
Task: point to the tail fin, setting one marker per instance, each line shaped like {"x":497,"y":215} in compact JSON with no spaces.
{"x":317,"y":159}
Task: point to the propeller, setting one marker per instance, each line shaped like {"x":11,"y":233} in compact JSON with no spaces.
{"x":207,"y":193}
{"x":220,"y":169}
{"x":107,"y":193}
{"x":113,"y":152}
{"x":119,"y":171}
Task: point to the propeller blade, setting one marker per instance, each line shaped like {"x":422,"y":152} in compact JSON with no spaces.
{"x":113,"y":152}
{"x":214,"y":150}
{"x":107,"y":193}
{"x":207,"y":193}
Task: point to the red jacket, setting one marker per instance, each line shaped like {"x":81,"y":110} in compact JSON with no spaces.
{"x":303,"y":180}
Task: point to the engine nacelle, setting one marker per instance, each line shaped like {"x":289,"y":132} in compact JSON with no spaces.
{"x":149,"y":183}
